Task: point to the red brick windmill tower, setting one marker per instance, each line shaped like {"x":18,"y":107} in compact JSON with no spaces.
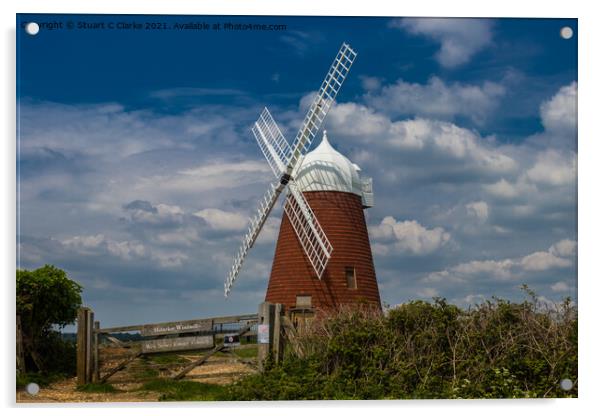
{"x":323,"y":257}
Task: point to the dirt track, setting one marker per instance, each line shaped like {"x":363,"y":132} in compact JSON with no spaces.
{"x":220,"y":369}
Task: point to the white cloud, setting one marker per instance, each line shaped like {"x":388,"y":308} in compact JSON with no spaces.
{"x":125,"y":249}
{"x":460,"y":38}
{"x":554,"y":168}
{"x":217,"y":175}
{"x":478,"y":209}
{"x":96,"y":244}
{"x":560,"y":254}
{"x":223,"y":220}
{"x":499,"y":269}
{"x":559,"y":287}
{"x":159,"y":214}
{"x":443,"y":140}
{"x":502,"y":189}
{"x":428,"y":292}
{"x":84,"y":242}
{"x":183,"y":236}
{"x":357,"y":120}
{"x":410,"y":236}
{"x":472,"y":299}
{"x":449,"y":141}
{"x":564,"y":248}
{"x":370,"y":83}
{"x":99,"y":245}
{"x":543,"y":260}
{"x":169,"y":259}
{"x":559,"y":114}
{"x":436,"y":99}
{"x":506,"y":269}
{"x":463,"y":272}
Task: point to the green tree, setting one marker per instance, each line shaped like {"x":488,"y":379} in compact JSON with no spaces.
{"x":47,"y":300}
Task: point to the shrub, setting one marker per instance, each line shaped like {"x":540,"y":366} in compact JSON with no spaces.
{"x":47,"y":300}
{"x":497,"y":349}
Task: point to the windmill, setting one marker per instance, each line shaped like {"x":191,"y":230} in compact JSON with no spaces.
{"x":309,"y":248}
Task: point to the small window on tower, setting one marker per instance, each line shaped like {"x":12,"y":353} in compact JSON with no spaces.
{"x":350,"y":275}
{"x":303,"y":301}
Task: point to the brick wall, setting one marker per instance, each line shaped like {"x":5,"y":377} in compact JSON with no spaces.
{"x":342,"y":218}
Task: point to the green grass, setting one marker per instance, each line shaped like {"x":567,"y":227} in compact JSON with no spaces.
{"x":167,"y":358}
{"x":41,"y":379}
{"x":146,"y":373}
{"x":98,"y":388}
{"x":246,"y":352}
{"x":173,"y":390}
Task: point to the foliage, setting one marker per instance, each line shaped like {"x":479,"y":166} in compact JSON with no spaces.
{"x":47,"y":300}
{"x":497,"y":349}
{"x":41,"y":379}
{"x":173,"y":390}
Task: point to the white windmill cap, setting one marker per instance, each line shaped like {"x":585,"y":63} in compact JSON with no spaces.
{"x":325,"y":169}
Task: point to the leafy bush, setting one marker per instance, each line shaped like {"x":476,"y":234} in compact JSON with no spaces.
{"x":47,"y":300}
{"x":497,"y":349}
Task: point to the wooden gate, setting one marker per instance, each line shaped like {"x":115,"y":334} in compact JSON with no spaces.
{"x":205,"y":335}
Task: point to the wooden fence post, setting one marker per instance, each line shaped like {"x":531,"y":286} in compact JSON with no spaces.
{"x":81,"y":346}
{"x":84,"y":341}
{"x":89,"y":345}
{"x":265,"y":316}
{"x":277,"y":344}
{"x":96,"y":370}
{"x":19,"y":350}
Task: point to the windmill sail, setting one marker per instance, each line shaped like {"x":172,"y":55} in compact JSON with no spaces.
{"x":315,"y":244}
{"x":322,"y":102}
{"x":272,"y":143}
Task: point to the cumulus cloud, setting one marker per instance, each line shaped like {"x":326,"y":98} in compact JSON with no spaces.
{"x":95,"y":244}
{"x":131,"y":251}
{"x":432,"y":138}
{"x":409,"y":236}
{"x":223,"y":220}
{"x":479,"y":210}
{"x":564,"y":248}
{"x":543,"y":260}
{"x":553,"y":167}
{"x":436,"y":99}
{"x":559,"y":117}
{"x":357,"y":120}
{"x":428,"y":292}
{"x":502,"y":189}
{"x":460,"y":38}
{"x":144,"y":212}
{"x":509,"y":268}
{"x":499,"y":269}
{"x":560,"y":287}
{"x":559,"y":114}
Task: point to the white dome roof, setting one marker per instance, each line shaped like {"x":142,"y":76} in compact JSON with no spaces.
{"x":325,"y":169}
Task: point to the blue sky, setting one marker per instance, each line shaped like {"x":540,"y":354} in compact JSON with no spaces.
{"x":138,"y":171}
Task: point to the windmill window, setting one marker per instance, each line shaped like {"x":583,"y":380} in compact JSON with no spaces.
{"x":303,"y":301}
{"x":350,"y":276}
